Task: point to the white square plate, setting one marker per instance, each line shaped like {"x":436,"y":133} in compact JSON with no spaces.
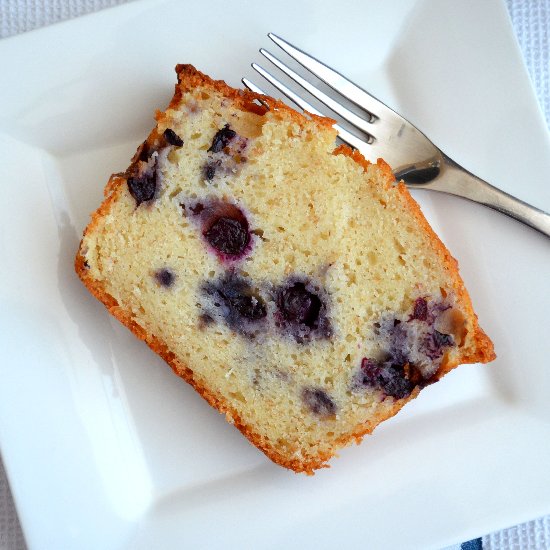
{"x":105,"y":448}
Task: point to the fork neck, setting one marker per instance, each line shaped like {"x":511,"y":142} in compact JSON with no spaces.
{"x":456,"y":180}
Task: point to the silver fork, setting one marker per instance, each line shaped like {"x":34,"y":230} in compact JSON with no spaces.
{"x":413,"y":157}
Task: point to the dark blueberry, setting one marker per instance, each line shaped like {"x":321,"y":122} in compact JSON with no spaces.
{"x":222,"y":139}
{"x":301,"y":312}
{"x":237,"y":300}
{"x":248,"y":307}
{"x":420,"y":310}
{"x":228,"y":235}
{"x":143,"y":187}
{"x":318,"y":401}
{"x":298,"y":305}
{"x":165,"y":277}
{"x":172,"y":138}
{"x":210,"y":169}
{"x":390,"y":378}
{"x":145,"y":152}
{"x":86,"y":264}
{"x":242,"y":299}
{"x":224,"y":226}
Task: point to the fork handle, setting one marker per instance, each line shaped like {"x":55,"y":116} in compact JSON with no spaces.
{"x":458,"y":181}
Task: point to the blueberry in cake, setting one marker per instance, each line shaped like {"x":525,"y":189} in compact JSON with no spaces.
{"x":296,"y":286}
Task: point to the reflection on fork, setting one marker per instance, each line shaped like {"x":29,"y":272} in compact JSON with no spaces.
{"x":381,"y":132}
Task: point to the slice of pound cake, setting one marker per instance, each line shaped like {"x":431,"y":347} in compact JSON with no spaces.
{"x":297,"y":287}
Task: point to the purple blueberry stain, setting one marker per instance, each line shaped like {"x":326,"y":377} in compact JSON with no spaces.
{"x":165,"y":277}
{"x":409,"y":353}
{"x":222,"y":138}
{"x":420,"y":310}
{"x":172,"y":138}
{"x":442,"y":340}
{"x":197,"y":208}
{"x":319,"y":402}
{"x":435,"y":342}
{"x":394,"y":333}
{"x":296,"y":309}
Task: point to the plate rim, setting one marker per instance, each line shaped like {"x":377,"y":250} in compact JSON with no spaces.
{"x":35,"y":35}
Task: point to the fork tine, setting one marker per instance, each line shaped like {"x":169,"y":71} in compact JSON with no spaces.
{"x":343,"y":134}
{"x":346,"y":114}
{"x":256,"y":89}
{"x":335,"y":80}
{"x":295,"y":98}
{"x":252,"y":87}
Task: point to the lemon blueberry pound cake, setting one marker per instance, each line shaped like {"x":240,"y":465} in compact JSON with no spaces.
{"x":296,"y":286}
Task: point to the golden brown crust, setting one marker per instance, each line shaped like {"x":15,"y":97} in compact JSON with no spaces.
{"x":188,"y":79}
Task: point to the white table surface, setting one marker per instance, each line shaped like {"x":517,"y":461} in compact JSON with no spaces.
{"x":531,"y":21}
